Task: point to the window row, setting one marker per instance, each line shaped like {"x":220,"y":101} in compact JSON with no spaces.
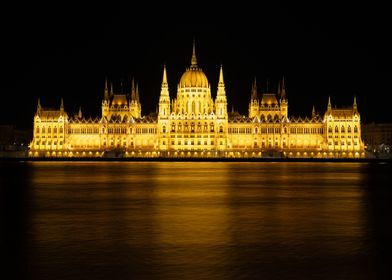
{"x":48,"y":129}
{"x":342,"y":129}
{"x":49,"y":142}
{"x":306,"y":130}
{"x":83,"y":130}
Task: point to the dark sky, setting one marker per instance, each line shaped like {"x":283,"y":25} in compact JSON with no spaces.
{"x":321,"y":49}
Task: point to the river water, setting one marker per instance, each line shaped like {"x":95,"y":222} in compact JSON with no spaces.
{"x":196,"y":220}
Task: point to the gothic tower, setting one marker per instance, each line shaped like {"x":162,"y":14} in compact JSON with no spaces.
{"x":254,"y":101}
{"x":221,"y":101}
{"x":164,"y":98}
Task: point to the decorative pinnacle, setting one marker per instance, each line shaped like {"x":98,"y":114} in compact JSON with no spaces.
{"x":221,"y":81}
{"x":254,"y":90}
{"x":133,"y":91}
{"x":164,"y":78}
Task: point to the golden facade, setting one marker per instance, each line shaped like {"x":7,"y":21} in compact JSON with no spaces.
{"x":194,"y":124}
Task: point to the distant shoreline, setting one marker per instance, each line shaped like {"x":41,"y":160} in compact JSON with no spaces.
{"x":135,"y":159}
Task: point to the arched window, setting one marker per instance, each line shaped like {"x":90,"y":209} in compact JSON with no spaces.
{"x":336,"y":129}
{"x":55,"y":130}
{"x":256,"y":130}
{"x":342,"y":129}
{"x":262,"y":118}
{"x":269,"y":117}
{"x":193,"y":107}
{"x":37,"y":130}
{"x":330,"y":129}
{"x":43,"y":129}
{"x":355,"y":129}
{"x":349,"y":129}
{"x":49,"y":130}
{"x":221,"y":129}
{"x":164,"y":129}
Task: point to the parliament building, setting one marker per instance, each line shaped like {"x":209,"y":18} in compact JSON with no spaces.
{"x":194,"y":124}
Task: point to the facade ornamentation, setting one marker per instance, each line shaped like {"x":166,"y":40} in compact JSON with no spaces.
{"x":194,"y":124}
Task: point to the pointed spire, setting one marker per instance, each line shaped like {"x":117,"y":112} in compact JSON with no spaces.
{"x":80,"y":112}
{"x":194,"y":60}
{"x":329,"y":103}
{"x":221,"y":81}
{"x":164,"y":78}
{"x":137,"y":93}
{"x":283,"y":90}
{"x":254,"y":90}
{"x":39,"y":105}
{"x":313,"y":112}
{"x":355,"y":103}
{"x":133,"y":91}
{"x":111,"y":89}
{"x":279,"y":91}
{"x":62,"y":104}
{"x":106,"y":91}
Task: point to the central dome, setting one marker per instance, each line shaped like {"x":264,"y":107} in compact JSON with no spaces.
{"x":194,"y":76}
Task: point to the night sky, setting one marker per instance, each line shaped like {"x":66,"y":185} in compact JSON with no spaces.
{"x":321,"y":49}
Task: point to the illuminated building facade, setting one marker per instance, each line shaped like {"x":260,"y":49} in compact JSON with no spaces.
{"x":194,"y":124}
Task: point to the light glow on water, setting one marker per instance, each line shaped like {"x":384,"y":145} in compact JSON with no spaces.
{"x":177,"y":220}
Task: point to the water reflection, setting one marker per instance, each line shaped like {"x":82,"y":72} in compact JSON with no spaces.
{"x":176,"y":220}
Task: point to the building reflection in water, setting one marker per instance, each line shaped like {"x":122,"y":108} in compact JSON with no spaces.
{"x":203,"y":219}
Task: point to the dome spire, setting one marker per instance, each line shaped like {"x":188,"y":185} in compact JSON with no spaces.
{"x":194,"y":60}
